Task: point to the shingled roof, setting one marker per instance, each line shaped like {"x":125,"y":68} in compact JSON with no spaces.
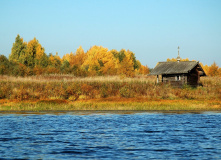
{"x":176,"y":67}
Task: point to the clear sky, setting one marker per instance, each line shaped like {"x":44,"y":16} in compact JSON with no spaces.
{"x":152,"y":29}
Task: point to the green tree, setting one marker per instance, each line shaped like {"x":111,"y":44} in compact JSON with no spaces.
{"x":18,"y":49}
{"x":65,"y":67}
{"x":4,"y":65}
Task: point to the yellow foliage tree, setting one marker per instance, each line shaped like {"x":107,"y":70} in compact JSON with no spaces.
{"x":219,"y":72}
{"x":78,"y":58}
{"x":126,"y":67}
{"x":35,"y":54}
{"x":75,"y":61}
{"x":205,"y":68}
{"x":144,"y":70}
{"x":39,"y":52}
{"x":54,"y":61}
{"x":94,"y":59}
{"x":66,"y":57}
{"x":109,"y":64}
{"x":213,"y":70}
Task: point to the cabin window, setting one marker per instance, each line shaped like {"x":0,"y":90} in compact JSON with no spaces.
{"x":177,"y":78}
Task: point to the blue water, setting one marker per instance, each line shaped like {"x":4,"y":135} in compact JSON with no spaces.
{"x":110,"y":135}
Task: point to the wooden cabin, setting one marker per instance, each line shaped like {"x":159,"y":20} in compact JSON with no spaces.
{"x":179,"y":73}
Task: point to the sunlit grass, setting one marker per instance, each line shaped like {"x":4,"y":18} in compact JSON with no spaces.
{"x":164,"y":105}
{"x":70,"y":78}
{"x":66,"y":92}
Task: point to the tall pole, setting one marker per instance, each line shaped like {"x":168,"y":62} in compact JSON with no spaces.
{"x":178,"y":57}
{"x":178,"y":51}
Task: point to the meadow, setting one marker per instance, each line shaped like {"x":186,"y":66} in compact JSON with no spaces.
{"x":66,"y":92}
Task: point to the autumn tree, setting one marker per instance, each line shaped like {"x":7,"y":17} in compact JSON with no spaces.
{"x":4,"y":65}
{"x":144,"y":70}
{"x":126,"y":66}
{"x":135,"y":62}
{"x":54,"y":63}
{"x":75,"y":61}
{"x":41,"y":58}
{"x":219,"y":72}
{"x":35,"y":55}
{"x":121,"y":55}
{"x":54,"y":60}
{"x":80,"y":56}
{"x":65,"y":67}
{"x":108,"y":64}
{"x":114,"y":52}
{"x":213,"y":70}
{"x":94,"y":60}
{"x":100,"y":61}
{"x":30,"y":58}
{"x":21,"y":70}
{"x":205,"y":68}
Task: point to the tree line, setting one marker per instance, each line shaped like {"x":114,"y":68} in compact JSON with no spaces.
{"x":29,"y":58}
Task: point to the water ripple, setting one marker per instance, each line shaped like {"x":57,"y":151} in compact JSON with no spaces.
{"x":110,"y":136}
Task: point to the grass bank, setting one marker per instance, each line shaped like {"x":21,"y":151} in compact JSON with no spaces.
{"x":102,"y":105}
{"x":64,"y":92}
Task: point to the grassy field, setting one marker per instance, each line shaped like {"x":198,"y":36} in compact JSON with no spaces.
{"x":65,"y":92}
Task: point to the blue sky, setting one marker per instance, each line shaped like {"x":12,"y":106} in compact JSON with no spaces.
{"x":152,"y":29}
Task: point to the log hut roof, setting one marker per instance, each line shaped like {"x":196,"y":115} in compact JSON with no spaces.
{"x":181,"y":67}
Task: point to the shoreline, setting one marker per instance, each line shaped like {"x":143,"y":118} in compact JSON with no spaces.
{"x":92,"y":112}
{"x":113,"y":104}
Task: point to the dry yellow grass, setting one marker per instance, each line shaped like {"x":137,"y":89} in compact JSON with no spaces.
{"x":66,"y":92}
{"x":99,"y":104}
{"x":70,"y":78}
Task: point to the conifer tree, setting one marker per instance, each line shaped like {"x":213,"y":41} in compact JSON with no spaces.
{"x":18,"y":49}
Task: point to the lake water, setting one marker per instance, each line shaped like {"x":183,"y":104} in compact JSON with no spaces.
{"x":110,"y":135}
